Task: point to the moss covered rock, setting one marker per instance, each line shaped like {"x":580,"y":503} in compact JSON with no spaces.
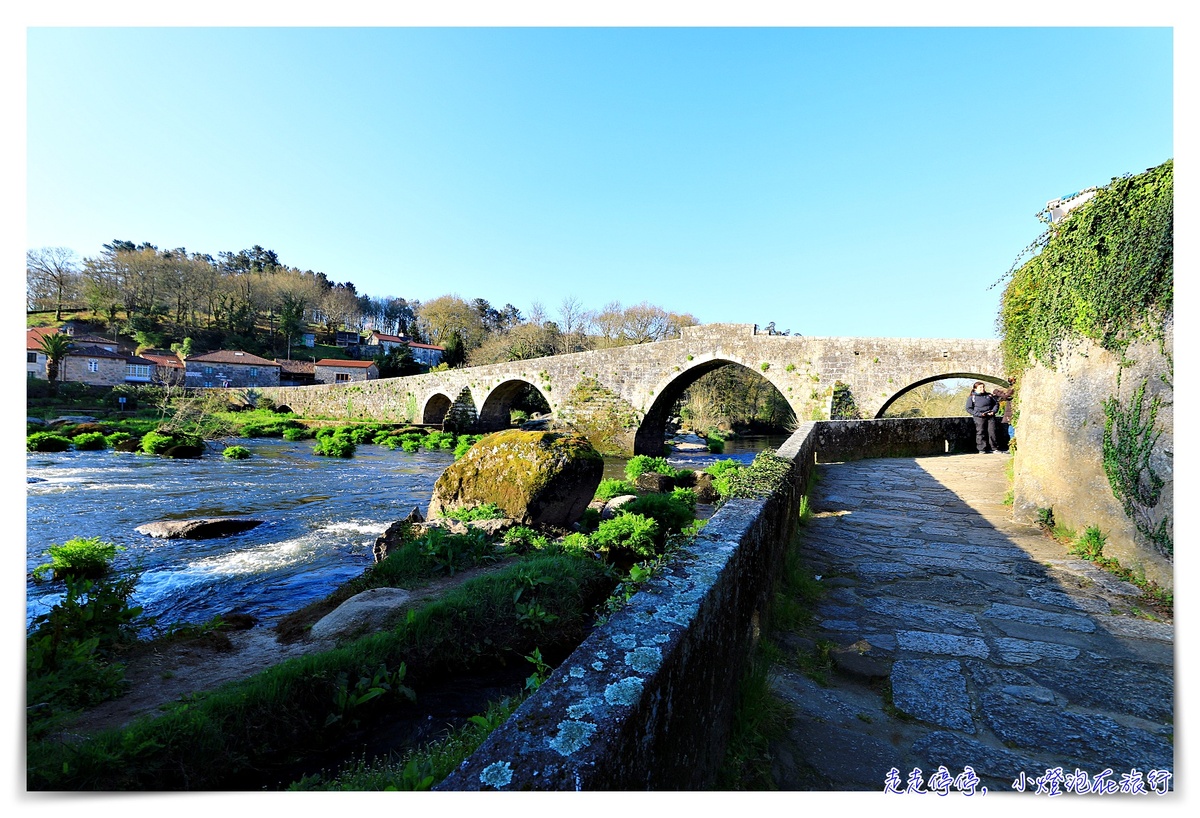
{"x":537,"y":478}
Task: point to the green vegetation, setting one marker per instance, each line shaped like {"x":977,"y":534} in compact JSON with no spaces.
{"x":89,"y":441}
{"x":333,"y":442}
{"x":306,"y":703}
{"x":627,"y":538}
{"x":1106,"y":273}
{"x":236,"y":453}
{"x":484,"y":511}
{"x":765,"y":474}
{"x":609,"y":489}
{"x":88,"y":557}
{"x":1130,"y":435}
{"x":46,"y":442}
{"x":164,"y":442}
{"x":640,"y":464}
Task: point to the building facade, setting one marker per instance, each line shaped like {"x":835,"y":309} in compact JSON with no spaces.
{"x":231,"y":369}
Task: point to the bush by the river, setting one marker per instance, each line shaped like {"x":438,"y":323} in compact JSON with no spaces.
{"x":334,"y":443}
{"x":163,"y":443}
{"x":80,"y":557}
{"x":89,"y":441}
{"x":47,"y":442}
{"x":236,"y":453}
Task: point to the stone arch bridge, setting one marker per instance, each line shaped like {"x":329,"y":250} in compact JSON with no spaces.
{"x":621,"y":397}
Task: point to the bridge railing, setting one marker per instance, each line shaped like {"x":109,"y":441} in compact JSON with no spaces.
{"x":646,"y":701}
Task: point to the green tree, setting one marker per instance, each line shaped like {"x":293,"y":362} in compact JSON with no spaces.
{"x":51,"y":277}
{"x":396,"y":362}
{"x":55,"y":347}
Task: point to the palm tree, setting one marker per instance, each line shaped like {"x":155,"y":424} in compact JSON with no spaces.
{"x":55,"y":348}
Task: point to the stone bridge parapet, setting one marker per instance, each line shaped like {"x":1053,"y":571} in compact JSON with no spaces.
{"x":636,"y":387}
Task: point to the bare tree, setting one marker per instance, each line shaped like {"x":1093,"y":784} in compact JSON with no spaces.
{"x":51,"y":276}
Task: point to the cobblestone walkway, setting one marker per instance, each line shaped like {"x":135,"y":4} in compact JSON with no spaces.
{"x":963,"y":639}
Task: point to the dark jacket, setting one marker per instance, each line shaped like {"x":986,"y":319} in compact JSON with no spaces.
{"x":978,"y":404}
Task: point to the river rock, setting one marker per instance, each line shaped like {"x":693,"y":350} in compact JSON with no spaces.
{"x":653,"y":481}
{"x":372,"y":610}
{"x":613,"y":506}
{"x":703,"y":486}
{"x":201,"y":529}
{"x":536,"y":478}
{"x":395,"y":534}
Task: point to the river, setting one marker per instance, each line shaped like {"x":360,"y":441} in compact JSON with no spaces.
{"x":320,"y":519}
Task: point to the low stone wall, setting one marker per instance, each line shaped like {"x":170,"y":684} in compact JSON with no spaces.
{"x":838,"y":440}
{"x":646,"y":702}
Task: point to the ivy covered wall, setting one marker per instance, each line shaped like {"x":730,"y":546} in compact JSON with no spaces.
{"x":1087,"y":326}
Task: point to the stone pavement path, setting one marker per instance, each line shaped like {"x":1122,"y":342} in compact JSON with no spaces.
{"x":963,"y":639}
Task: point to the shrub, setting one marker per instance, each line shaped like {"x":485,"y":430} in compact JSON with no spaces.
{"x":609,"y":489}
{"x":236,"y":453}
{"x":715,"y":441}
{"x":486,"y":511}
{"x":671,"y":511}
{"x":762,"y":477}
{"x":577,"y":543}
{"x":160,"y":442}
{"x":640,"y":464}
{"x":117,"y":437}
{"x":334,"y":445}
{"x":69,"y":653}
{"x":79,"y":557}
{"x":627,"y":538}
{"x":365,"y":434}
{"x":89,"y":441}
{"x":46,"y":442}
{"x":296,"y":434}
{"x":464,"y":443}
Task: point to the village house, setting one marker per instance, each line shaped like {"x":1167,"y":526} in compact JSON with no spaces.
{"x":97,"y":366}
{"x":90,"y":360}
{"x":230,"y":368}
{"x":331,"y":370}
{"x":168,"y":368}
{"x":296,"y":373}
{"x":424,"y":354}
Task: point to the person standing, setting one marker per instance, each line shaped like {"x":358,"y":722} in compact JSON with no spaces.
{"x":982,"y":406}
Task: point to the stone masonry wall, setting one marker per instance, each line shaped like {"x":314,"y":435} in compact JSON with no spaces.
{"x":646,"y":702}
{"x":649,"y":377}
{"x":1059,"y":462}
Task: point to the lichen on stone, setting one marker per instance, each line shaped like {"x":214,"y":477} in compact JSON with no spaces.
{"x":625,"y":692}
{"x":496,"y":775}
{"x":583,"y":708}
{"x":644,"y":660}
{"x":577,"y":672}
{"x":572,"y":737}
{"x":597,"y":666}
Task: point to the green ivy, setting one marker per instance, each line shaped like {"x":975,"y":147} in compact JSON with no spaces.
{"x":1104,"y":274}
{"x":1129,"y":438}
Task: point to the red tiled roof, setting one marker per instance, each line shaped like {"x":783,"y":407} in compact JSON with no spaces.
{"x":33,"y":336}
{"x":160,"y":358}
{"x":336,"y":362}
{"x":231,"y":356}
{"x":400,"y":339}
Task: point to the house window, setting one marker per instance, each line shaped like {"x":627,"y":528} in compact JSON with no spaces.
{"x":31,"y":357}
{"x":93,"y":365}
{"x":341,"y":377}
{"x":208,"y":370}
{"x":254,"y":372}
{"x":137,"y":371}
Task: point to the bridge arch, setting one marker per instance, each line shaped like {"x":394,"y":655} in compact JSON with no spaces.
{"x":436,"y":407}
{"x":494,"y":414}
{"x":652,"y":430}
{"x":972,"y":376}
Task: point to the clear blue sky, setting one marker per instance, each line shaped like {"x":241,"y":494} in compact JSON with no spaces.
{"x":837,"y":181}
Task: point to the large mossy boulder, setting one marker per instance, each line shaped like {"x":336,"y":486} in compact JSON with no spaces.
{"x":536,"y":478}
